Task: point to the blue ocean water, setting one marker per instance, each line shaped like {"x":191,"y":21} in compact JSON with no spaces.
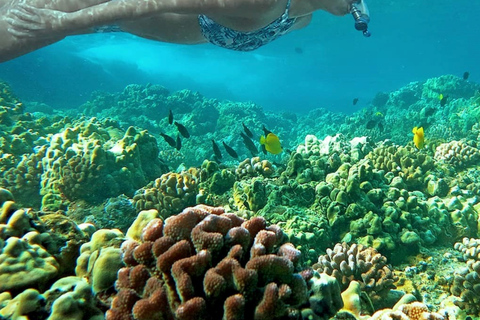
{"x":324,"y":65}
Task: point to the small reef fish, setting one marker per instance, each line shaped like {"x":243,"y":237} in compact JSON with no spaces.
{"x":466,"y":74}
{"x":178,"y":145}
{"x":230,"y":150}
{"x":271,"y":143}
{"x":249,"y":144}
{"x":355,"y":100}
{"x":169,"y":140}
{"x":216,"y":150}
{"x":371,"y":124}
{"x":170,"y":117}
{"x":418,"y":137}
{"x":429,"y":111}
{"x":376,"y":121}
{"x":443,"y":99}
{"x":247,"y":131}
{"x":266,"y":131}
{"x":183,"y":131}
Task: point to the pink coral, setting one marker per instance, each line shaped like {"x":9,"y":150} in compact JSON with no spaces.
{"x":204,"y":258}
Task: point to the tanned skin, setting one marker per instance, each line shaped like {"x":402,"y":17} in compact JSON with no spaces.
{"x":27,"y":25}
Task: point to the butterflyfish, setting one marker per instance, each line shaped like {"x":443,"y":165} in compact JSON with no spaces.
{"x":418,"y":137}
{"x":271,"y":143}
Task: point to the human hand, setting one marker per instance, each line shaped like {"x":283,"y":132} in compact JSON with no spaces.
{"x":27,"y":21}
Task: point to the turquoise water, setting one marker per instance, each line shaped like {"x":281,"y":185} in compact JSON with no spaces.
{"x":106,"y":125}
{"x":324,"y":65}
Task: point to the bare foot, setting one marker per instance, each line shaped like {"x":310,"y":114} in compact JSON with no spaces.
{"x":28,"y":21}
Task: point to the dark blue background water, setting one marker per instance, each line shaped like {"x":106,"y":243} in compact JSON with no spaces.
{"x":325,"y":65}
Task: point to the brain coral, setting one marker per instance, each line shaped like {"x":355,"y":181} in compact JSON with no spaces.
{"x":207,"y":264}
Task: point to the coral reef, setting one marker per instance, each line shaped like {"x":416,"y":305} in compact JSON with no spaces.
{"x":207,"y":264}
{"x":348,"y":263}
{"x":466,"y":283}
{"x":169,"y":194}
{"x":458,"y":154}
{"x":85,"y":163}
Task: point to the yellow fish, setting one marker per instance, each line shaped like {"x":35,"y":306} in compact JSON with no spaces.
{"x":418,"y":137}
{"x":271,"y":143}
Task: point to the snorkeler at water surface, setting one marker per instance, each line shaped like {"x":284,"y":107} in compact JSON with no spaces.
{"x":243,"y":25}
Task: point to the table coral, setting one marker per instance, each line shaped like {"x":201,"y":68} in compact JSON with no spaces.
{"x":207,"y":264}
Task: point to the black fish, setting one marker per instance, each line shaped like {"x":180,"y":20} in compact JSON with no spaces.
{"x":443,"y":101}
{"x":380,"y":127}
{"x":178,"y":146}
{"x":247,"y":131}
{"x":181,"y":128}
{"x":466,"y":74}
{"x":170,"y":117}
{"x":169,"y":140}
{"x":371,"y":124}
{"x":249,"y":144}
{"x":266,"y":131}
{"x":429,"y":111}
{"x":298,"y":50}
{"x":264,"y":150}
{"x":216,"y":150}
{"x":355,"y":101}
{"x":230,"y":150}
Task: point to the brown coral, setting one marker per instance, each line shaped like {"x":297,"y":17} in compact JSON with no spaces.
{"x":206,"y":258}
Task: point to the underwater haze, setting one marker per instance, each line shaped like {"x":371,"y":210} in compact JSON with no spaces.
{"x":327,"y":64}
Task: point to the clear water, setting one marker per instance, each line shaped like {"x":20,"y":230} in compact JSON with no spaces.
{"x":325,"y":65}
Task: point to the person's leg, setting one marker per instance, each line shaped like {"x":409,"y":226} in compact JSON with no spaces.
{"x":167,"y":27}
{"x":65,"y":5}
{"x":12,"y":47}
